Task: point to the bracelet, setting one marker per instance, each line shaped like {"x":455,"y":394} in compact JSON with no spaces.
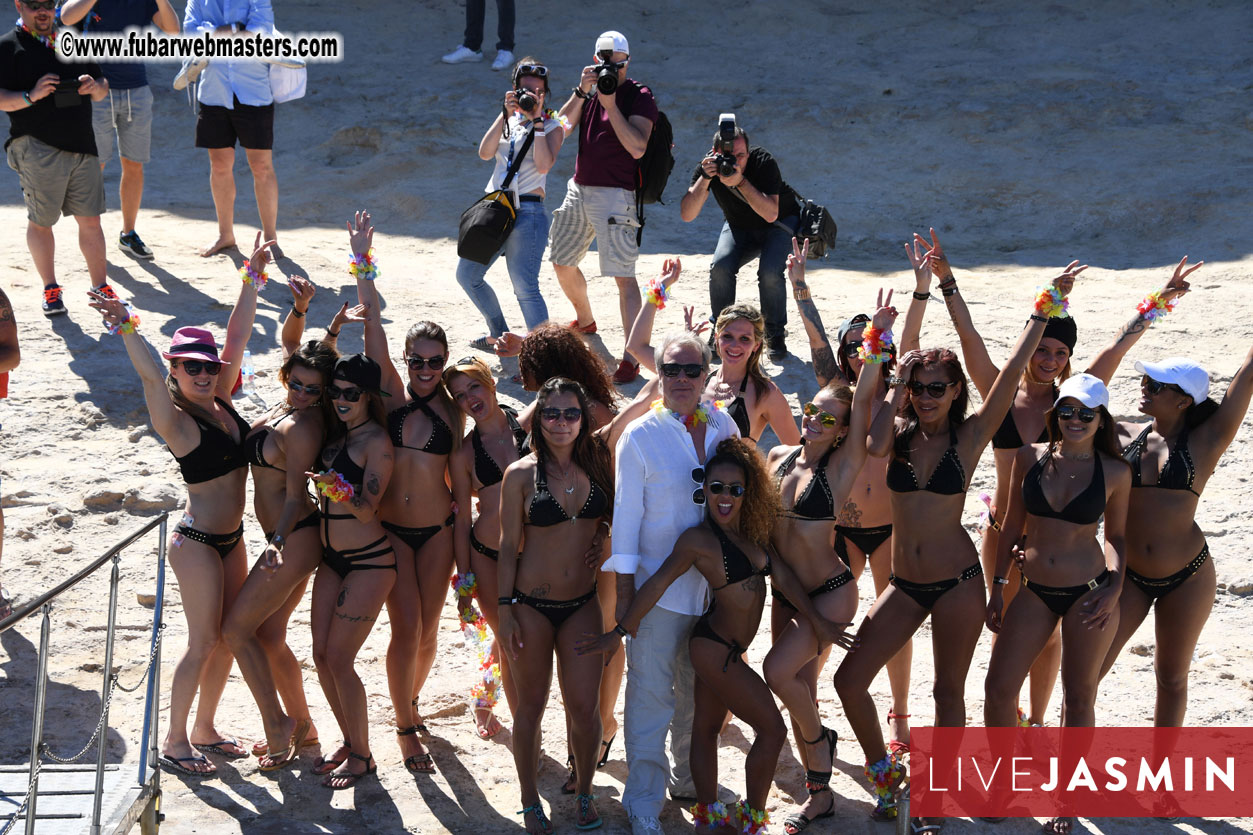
{"x":578,"y":91}
{"x":1154,"y":306}
{"x":874,"y":346}
{"x":1036,"y":317}
{"x":620,"y":632}
{"x":951,"y":291}
{"x":1000,"y":581}
{"x":465,"y":584}
{"x":364,"y":265}
{"x":337,"y":491}
{"x":251,"y":276}
{"x":332,"y":334}
{"x":26,"y":97}
{"x":505,"y":601}
{"x":299,"y":314}
{"x":128,"y":325}
{"x":277,"y":541}
{"x":895,"y":382}
{"x":802,"y":294}
{"x":1049,"y":302}
{"x":657,"y":294}
{"x":922,"y":297}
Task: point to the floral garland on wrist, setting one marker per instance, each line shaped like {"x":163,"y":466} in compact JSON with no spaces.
{"x":486,"y":691}
{"x":1154,"y":306}
{"x":750,"y":821}
{"x":364,"y":265}
{"x":658,"y":294}
{"x":1051,"y":303}
{"x":709,"y":814}
{"x":251,"y":276}
{"x":874,"y":346}
{"x":701,"y":415}
{"x":337,"y":491}
{"x":465,"y":584}
{"x":128,"y":325}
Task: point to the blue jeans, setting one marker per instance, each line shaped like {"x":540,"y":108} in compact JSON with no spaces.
{"x":475,"y":15}
{"x":524,"y":252}
{"x":736,"y":247}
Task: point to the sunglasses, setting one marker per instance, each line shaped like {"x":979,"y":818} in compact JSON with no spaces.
{"x":299,"y":388}
{"x":193,"y":367}
{"x":698,"y":476}
{"x":417,"y":362}
{"x":691,"y":370}
{"x":717,"y":488}
{"x":825,"y":418}
{"x":46,"y":6}
{"x":352,"y":395}
{"x":849,"y":349}
{"x":1084,"y":414}
{"x":1155,"y":386}
{"x":936,"y":390}
{"x":552,"y":414}
{"x":537,"y":70}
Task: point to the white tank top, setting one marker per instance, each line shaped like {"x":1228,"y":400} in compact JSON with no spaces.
{"x":528,"y":179}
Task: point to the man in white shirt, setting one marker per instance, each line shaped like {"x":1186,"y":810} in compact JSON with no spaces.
{"x":659,"y":472}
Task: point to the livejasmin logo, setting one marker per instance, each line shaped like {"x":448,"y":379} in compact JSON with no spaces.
{"x":1088,"y":772}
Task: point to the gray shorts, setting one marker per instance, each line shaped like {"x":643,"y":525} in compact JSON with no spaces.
{"x":601,"y":213}
{"x":128,"y":113}
{"x":56,"y":182}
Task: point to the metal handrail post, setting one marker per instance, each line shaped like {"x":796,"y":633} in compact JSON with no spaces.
{"x":37,"y":732}
{"x":152,"y":714}
{"x":102,"y":747}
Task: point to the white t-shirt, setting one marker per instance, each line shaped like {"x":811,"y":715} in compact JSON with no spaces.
{"x":528,"y":179}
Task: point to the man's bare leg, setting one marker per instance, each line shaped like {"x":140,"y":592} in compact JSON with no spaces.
{"x":222,"y":184}
{"x":574,"y":285}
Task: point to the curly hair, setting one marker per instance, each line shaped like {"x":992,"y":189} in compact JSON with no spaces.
{"x":553,"y":350}
{"x":761,"y":505}
{"x":946,"y":360}
{"x":319,"y":357}
{"x":749,"y":313}
{"x":590,"y":451}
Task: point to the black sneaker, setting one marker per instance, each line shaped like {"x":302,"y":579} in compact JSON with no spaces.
{"x":133,"y":245}
{"x":776,"y":348}
{"x":53,"y":306}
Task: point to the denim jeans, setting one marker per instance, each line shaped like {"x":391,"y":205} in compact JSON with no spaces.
{"x":524,"y":252}
{"x":736,"y":247}
{"x":475,"y":14}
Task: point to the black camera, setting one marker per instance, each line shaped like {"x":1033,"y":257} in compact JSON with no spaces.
{"x":526,"y":99}
{"x":607,"y":73}
{"x":66,"y":93}
{"x":724,"y":145}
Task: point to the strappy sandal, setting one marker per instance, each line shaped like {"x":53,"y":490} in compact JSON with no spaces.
{"x":815,"y":782}
{"x":261,"y":748}
{"x":1058,"y":826}
{"x":546,"y":826}
{"x":896,"y":747}
{"x":288,"y":755}
{"x":351,"y":778}
{"x":417,"y":763}
{"x":571,"y":785}
{"x":325,"y":765}
{"x":585,"y":808}
{"x":604,"y":752}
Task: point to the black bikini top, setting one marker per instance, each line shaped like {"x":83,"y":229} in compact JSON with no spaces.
{"x":485,"y":467}
{"x":254,"y":445}
{"x":440,"y":440}
{"x":217,"y":453}
{"x":1084,"y":509}
{"x":349,"y":470}
{"x":736,"y":566}
{"x":1177,"y":473}
{"x":1008,"y":437}
{"x":545,"y":511}
{"x":809,"y":504}
{"x":948,"y":478}
{"x":737,"y":410}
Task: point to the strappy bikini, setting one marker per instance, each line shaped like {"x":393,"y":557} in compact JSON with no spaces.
{"x":867,"y":540}
{"x":1177,"y":473}
{"x":545,"y":511}
{"x":486,"y":469}
{"x":440,"y":440}
{"x":736,"y":568}
{"x":217,"y":453}
{"x":345,"y":562}
{"x":947,"y":479}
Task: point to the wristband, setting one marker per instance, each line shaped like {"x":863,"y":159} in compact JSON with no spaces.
{"x":277,"y":541}
{"x":949,"y":291}
{"x":578,"y":91}
{"x":505,"y":601}
{"x":922,"y":297}
{"x":26,"y":98}
{"x":364,"y":265}
{"x":251,"y":276}
{"x":657,"y":294}
{"x":1036,"y":317}
{"x":299,"y":314}
{"x":620,"y":631}
{"x":1154,"y":306}
{"x":1000,"y":581}
{"x":801,"y":294}
{"x":332,"y":334}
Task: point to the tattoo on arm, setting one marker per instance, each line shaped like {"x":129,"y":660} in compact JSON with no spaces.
{"x":6,"y":309}
{"x":825,"y":368}
{"x":1135,"y":326}
{"x":373,"y":485}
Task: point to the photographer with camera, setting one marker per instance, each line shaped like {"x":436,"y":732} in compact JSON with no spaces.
{"x":524,"y":112}
{"x":615,"y":117}
{"x":761,"y":214}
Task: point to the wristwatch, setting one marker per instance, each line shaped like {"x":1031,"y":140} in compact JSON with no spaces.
{"x":1000,"y":581}
{"x":277,"y":541}
{"x":895,"y":382}
{"x":578,"y":91}
{"x":620,"y":631}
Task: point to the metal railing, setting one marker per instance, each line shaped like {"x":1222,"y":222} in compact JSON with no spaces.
{"x":39,"y":749}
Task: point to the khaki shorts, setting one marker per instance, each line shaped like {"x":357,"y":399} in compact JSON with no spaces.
{"x":601,"y":213}
{"x":56,"y":182}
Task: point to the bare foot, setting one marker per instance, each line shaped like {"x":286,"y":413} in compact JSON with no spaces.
{"x":219,"y":245}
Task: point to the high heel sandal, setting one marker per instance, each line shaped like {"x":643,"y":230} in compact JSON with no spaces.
{"x":896,"y":747}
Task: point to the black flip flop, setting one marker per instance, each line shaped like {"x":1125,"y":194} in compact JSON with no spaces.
{"x":217,"y":748}
{"x":175,"y":764}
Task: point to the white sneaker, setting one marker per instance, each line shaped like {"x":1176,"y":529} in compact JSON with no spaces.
{"x":191,"y":70}
{"x":504,"y":60}
{"x":643,"y":826}
{"x":462,"y":55}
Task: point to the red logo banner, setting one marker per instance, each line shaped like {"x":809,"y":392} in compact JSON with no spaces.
{"x":1082,"y":772}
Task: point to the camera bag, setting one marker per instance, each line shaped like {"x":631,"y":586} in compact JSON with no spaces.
{"x":816,"y":226}
{"x":486,"y":225}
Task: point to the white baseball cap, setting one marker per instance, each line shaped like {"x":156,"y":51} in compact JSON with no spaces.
{"x":1179,"y":371}
{"x":1086,"y":388}
{"x":612,"y":41}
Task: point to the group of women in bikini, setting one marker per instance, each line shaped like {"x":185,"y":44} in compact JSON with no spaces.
{"x":365,"y":478}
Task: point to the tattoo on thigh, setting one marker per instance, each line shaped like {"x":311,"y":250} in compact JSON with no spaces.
{"x":343,"y":596}
{"x":354,"y":618}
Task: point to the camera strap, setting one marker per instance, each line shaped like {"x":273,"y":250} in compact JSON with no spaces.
{"x":515,"y":164}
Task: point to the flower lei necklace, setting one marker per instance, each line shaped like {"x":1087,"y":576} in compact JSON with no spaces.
{"x":701,"y":415}
{"x":46,"y":40}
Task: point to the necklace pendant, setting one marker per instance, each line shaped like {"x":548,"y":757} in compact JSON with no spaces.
{"x":570,"y":490}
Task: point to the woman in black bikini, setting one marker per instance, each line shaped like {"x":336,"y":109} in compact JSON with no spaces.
{"x":281,"y":447}
{"x":190,"y":409}
{"x":476,"y":469}
{"x":731,"y":548}
{"x":417,"y":510}
{"x":359,"y":565}
{"x":1169,"y":568}
{"x":552,"y":504}
{"x":932,"y":555}
{"x":828,"y":462}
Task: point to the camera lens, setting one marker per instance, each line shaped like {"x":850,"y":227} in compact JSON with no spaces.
{"x":607,"y":79}
{"x":526,"y":100}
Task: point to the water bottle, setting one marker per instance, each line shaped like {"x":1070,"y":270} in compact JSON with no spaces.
{"x":248,"y":383}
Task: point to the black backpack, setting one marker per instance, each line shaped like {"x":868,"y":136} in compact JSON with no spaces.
{"x":654,"y":169}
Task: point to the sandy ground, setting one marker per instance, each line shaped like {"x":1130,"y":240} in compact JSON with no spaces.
{"x":1027,"y":135}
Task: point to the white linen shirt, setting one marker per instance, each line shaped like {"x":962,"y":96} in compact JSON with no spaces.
{"x":653,"y":502}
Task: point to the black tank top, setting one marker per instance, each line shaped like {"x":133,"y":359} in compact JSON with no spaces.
{"x":217,"y":453}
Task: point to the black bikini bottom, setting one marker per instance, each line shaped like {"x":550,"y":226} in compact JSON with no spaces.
{"x":344,"y":563}
{"x":310,"y":521}
{"x":1155,"y":589}
{"x":415,"y":538}
{"x":491,"y":553}
{"x":223,"y":543}
{"x":703,"y":629}
{"x":867,"y":539}
{"x":557,"y":611}
{"x":831,"y":584}
{"x":927,"y":594}
{"x":1061,"y":598}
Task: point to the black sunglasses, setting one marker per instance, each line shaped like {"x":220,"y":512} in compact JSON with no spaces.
{"x":417,"y":362}
{"x":691,"y":370}
{"x":313,"y":390}
{"x":1155,"y":386}
{"x":1085,"y":414}
{"x":698,"y":476}
{"x":194,"y":367}
{"x":736,"y":490}
{"x":352,"y":395}
{"x":936,"y":390}
{"x":46,"y":6}
{"x":849,"y":349}
{"x":551,"y":414}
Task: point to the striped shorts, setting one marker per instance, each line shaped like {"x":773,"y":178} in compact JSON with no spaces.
{"x":599,"y":213}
